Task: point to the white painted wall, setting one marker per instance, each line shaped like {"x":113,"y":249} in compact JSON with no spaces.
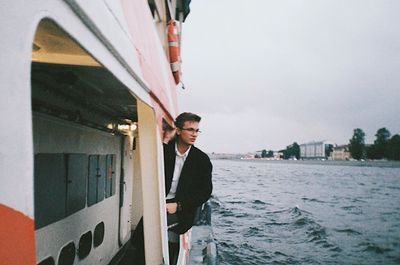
{"x":19,"y":21}
{"x":52,"y":135}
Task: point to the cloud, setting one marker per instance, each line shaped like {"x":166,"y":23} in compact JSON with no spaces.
{"x":274,"y":72}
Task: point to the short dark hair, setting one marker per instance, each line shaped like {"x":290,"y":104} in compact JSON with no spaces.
{"x":186,"y":116}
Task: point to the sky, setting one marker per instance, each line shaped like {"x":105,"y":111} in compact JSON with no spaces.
{"x":263,"y":74}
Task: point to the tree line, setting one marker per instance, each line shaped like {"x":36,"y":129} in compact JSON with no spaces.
{"x":291,"y":151}
{"x":385,"y":146}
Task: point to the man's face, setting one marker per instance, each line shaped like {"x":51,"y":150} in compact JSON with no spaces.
{"x":188,"y":133}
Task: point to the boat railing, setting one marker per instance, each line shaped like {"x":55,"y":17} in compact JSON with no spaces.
{"x":202,"y":239}
{"x":203,"y":214}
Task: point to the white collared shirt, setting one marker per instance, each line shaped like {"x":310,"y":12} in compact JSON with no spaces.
{"x":179,"y":161}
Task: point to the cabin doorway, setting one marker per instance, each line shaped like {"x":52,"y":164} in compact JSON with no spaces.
{"x":84,"y":121}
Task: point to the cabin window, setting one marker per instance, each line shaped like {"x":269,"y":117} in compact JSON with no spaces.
{"x":47,"y":261}
{"x":67,"y":255}
{"x":85,"y":245}
{"x":98,"y":234}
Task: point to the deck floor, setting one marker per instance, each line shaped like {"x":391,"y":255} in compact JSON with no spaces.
{"x":126,"y":257}
{"x":199,"y":253}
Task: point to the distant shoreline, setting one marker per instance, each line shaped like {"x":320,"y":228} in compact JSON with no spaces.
{"x":386,"y":164}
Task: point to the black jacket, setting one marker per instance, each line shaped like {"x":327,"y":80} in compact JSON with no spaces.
{"x":195,"y":183}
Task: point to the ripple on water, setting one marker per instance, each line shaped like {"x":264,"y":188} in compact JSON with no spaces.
{"x":395,"y":258}
{"x":356,"y":200}
{"x":259,"y":202}
{"x":356,"y":210}
{"x":312,"y":200}
{"x":253,"y":231}
{"x":316,"y":233}
{"x":374,"y":248}
{"x":236,"y":202}
{"x":348,"y":231}
{"x":275,"y":223}
{"x":226,"y":213}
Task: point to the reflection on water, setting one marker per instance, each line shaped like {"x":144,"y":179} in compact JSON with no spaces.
{"x":301,"y":213}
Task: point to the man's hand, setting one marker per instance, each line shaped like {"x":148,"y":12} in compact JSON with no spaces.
{"x":172,"y":207}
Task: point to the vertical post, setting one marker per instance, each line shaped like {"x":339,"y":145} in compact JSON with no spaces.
{"x":156,"y":246}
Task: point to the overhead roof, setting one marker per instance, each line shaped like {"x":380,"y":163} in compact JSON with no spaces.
{"x":183,"y":6}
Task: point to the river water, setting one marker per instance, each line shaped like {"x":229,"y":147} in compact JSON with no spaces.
{"x":269,"y":212}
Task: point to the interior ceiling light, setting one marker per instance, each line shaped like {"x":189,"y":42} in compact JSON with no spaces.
{"x":35,"y":47}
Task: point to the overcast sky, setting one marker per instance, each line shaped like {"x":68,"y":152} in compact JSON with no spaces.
{"x":264,"y":74}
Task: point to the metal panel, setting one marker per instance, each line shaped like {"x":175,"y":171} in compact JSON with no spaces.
{"x":92,"y":180}
{"x":113,"y":180}
{"x":108,"y":176}
{"x":110,"y":179}
{"x":101,"y":177}
{"x":77,"y":171}
{"x":50,"y":191}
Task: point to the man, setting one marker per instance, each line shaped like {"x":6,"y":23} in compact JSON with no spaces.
{"x":188,"y":182}
{"x":188,"y":178}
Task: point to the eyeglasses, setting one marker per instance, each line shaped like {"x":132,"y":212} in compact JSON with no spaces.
{"x":191,"y":130}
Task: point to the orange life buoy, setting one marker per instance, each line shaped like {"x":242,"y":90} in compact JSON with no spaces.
{"x":174,"y":50}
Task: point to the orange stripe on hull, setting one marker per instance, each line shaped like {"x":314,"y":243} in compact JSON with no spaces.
{"x":17,"y":238}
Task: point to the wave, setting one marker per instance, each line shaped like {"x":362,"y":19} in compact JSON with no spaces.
{"x":275,"y":223}
{"x":215,"y":202}
{"x":316,"y":233}
{"x":358,"y":200}
{"x":347,"y":231}
{"x":312,"y":200}
{"x":253,"y":231}
{"x":256,"y":222}
{"x":233,"y":253}
{"x":278,"y":253}
{"x":260,"y":202}
{"x":236,"y":202}
{"x":352,"y":209}
{"x":304,"y":222}
{"x":374,"y":248}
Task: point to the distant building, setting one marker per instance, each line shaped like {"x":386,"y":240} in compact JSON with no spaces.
{"x":258,"y":154}
{"x":278,"y":155}
{"x":225,"y":156}
{"x":268,"y":155}
{"x":248,"y":156}
{"x":316,"y":150}
{"x":341,"y":152}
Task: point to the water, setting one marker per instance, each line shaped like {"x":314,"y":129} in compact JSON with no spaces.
{"x":301,"y":213}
